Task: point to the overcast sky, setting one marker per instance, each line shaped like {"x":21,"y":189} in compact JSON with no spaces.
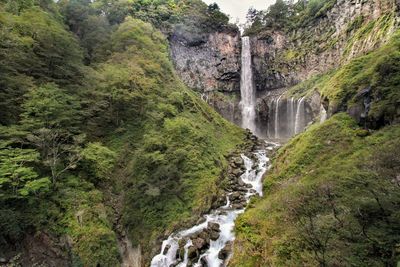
{"x":238,"y":8}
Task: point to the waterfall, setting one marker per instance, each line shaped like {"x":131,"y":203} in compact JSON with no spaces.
{"x":248,"y":97}
{"x":299,"y":122}
{"x":287,"y":117}
{"x":323,"y":114}
{"x":290,"y":117}
{"x":277,"y":118}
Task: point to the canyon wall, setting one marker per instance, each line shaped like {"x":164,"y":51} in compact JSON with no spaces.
{"x":349,"y":29}
{"x":209,"y":63}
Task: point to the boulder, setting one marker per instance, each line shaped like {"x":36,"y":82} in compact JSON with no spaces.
{"x":213,"y":226}
{"x":225,"y":252}
{"x":200,"y":243}
{"x":234,"y":196}
{"x":237,"y":172}
{"x":192,"y":252}
{"x":214,"y":235}
{"x":167,"y":247}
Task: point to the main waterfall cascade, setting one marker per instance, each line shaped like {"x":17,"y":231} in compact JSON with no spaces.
{"x":174,"y":253}
{"x":247,"y":92}
{"x":286,"y":116}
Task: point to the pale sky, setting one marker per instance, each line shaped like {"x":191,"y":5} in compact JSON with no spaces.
{"x":238,"y":8}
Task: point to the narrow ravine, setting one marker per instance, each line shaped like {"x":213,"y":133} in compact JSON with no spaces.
{"x":210,"y":242}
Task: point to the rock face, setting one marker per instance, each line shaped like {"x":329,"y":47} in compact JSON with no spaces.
{"x":284,"y":59}
{"x":210,"y":64}
{"x":40,"y":249}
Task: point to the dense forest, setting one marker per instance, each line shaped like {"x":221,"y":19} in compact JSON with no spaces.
{"x":98,"y":135}
{"x":103,"y":147}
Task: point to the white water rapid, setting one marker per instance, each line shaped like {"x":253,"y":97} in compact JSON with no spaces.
{"x":248,"y":96}
{"x":224,"y":216}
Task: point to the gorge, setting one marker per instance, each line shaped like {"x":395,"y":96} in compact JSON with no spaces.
{"x":157,"y":133}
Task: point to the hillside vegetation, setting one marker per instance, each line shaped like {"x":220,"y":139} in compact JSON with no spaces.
{"x":99,"y":138}
{"x":332,"y":197}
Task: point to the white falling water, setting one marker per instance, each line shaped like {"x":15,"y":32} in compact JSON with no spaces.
{"x":287,"y":117}
{"x":225,"y":216}
{"x":323,"y":114}
{"x":248,"y":97}
{"x":290,"y":116}
{"x":299,"y":122}
{"x":277,"y":118}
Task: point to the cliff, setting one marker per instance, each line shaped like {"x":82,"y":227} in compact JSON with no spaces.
{"x":284,"y":57}
{"x":209,"y":63}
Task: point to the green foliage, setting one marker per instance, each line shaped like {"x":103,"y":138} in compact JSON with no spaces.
{"x":331,"y":199}
{"x":18,"y":177}
{"x":35,"y":48}
{"x":49,"y":107}
{"x":117,"y":144}
{"x":99,"y":159}
{"x":286,"y":15}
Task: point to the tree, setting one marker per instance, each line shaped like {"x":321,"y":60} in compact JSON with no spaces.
{"x":18,"y":177}
{"x":51,"y":117}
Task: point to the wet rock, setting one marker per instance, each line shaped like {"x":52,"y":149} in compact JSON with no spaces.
{"x":180,"y":253}
{"x":203,"y":262}
{"x":167,"y":247}
{"x":237,"y":172}
{"x":214,"y":235}
{"x":234,"y":196}
{"x":225,"y":252}
{"x":237,"y":161}
{"x":205,"y":236}
{"x":213,"y":226}
{"x":238,"y":206}
{"x":192,"y":252}
{"x":200,"y":243}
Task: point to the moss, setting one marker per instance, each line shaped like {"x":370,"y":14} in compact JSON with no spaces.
{"x":372,"y":31}
{"x":355,"y":24}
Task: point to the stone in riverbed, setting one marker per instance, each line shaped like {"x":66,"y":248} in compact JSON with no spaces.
{"x":167,"y":247}
{"x":213,"y":226}
{"x":234,"y":196}
{"x":214,"y":235}
{"x":200,"y":243}
{"x":225,"y":252}
{"x":237,"y":161}
{"x":237,"y":172}
{"x":238,"y":206}
{"x":192,"y":252}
